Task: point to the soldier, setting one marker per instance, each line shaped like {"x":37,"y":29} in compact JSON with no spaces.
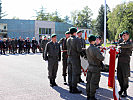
{"x":16,"y":44}
{"x":1,"y":45}
{"x":27,"y":41}
{"x":64,"y":55}
{"x":34,"y":45}
{"x":7,"y":44}
{"x":20,"y":43}
{"x":13,"y":45}
{"x":40,"y":44}
{"x":4,"y":45}
{"x":53,"y":55}
{"x":123,"y":68}
{"x":10,"y":45}
{"x":120,"y":38}
{"x":74,"y":67}
{"x":94,"y":58}
{"x":83,"y":45}
{"x":44,"y":42}
{"x":98,"y":41}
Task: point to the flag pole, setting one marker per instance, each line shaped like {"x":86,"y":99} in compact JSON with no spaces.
{"x":105,"y":24}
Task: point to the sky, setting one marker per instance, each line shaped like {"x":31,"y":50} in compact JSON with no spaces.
{"x":24,"y":9}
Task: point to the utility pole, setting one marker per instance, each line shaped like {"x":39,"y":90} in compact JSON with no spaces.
{"x":105,"y":12}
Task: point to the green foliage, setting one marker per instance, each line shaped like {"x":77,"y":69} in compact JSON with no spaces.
{"x":100,"y":22}
{"x":82,"y":18}
{"x":121,"y":18}
{"x":42,"y":15}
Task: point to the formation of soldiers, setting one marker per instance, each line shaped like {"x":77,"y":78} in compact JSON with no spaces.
{"x":73,"y":46}
{"x":13,"y":46}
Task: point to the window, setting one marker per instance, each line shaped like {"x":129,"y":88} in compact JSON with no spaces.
{"x":49,"y":31}
{"x":43,"y":30}
{"x":40,"y":31}
{"x":4,"y":27}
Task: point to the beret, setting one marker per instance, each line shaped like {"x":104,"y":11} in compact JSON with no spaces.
{"x":72,"y":30}
{"x":92,"y":37}
{"x":79,"y":31}
{"x":53,"y":35}
{"x":67,"y":32}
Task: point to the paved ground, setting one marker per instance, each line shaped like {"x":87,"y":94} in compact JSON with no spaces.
{"x":24,"y":77}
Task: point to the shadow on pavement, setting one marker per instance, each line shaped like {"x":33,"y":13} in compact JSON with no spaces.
{"x":64,"y":94}
{"x":104,"y":94}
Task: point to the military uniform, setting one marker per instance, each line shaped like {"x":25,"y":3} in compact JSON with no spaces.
{"x":123,"y":68}
{"x":13,"y":46}
{"x":44,"y":42}
{"x":40,"y":45}
{"x":53,"y":55}
{"x":16,"y":43}
{"x":64,"y":57}
{"x":34,"y":46}
{"x":74,"y":63}
{"x":1,"y":46}
{"x":94,"y":57}
{"x":27,"y":46}
{"x":4,"y":45}
{"x":20,"y":43}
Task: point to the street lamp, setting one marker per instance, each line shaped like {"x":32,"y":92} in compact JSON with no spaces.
{"x":105,"y":25}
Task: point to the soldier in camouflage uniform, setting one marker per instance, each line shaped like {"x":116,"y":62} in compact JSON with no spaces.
{"x":53,"y":55}
{"x":74,"y":66}
{"x":94,"y":58}
{"x":123,"y":68}
{"x":64,"y":55}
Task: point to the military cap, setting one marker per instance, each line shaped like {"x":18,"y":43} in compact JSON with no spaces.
{"x":125,"y":32}
{"x":67,"y":32}
{"x":98,"y":36}
{"x":72,"y":30}
{"x":53,"y":35}
{"x":79,"y":31}
{"x":91,"y":37}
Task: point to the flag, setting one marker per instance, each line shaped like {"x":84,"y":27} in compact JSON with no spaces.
{"x":85,"y":36}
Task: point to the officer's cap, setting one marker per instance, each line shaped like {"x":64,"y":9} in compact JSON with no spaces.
{"x":72,"y":30}
{"x":91,"y":37}
{"x":53,"y":35}
{"x":79,"y":31}
{"x":125,"y":32}
{"x":67,"y":32}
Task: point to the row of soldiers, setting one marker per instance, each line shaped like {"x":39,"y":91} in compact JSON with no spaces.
{"x":73,"y":46}
{"x":20,"y":45}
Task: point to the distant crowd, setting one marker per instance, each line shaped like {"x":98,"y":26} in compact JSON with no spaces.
{"x":14,"y":45}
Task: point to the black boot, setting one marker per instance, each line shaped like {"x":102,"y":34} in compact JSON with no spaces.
{"x":75,"y":90}
{"x":70,"y":89}
{"x":125,"y":94}
{"x":51,"y":83}
{"x":92,"y":98}
{"x":120,"y":92}
{"x":54,"y":83}
{"x":65,"y":83}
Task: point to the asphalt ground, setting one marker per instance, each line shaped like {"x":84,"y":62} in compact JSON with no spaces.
{"x":25,"y":77}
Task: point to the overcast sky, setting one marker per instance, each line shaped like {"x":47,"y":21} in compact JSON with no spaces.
{"x":24,"y":9}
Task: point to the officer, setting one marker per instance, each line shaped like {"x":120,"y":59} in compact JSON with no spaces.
{"x":40,"y":44}
{"x":83,"y":45}
{"x":20,"y":43}
{"x":123,"y":68}
{"x":74,"y":69}
{"x":94,"y":58}
{"x":44,"y":42}
{"x":53,"y":55}
{"x":27,"y":41}
{"x":13,"y":45}
{"x":98,"y":41}
{"x":64,"y":55}
{"x":120,"y":38}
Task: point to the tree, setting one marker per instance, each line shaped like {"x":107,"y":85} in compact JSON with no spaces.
{"x":82,"y":18}
{"x":100,"y":22}
{"x":121,"y":18}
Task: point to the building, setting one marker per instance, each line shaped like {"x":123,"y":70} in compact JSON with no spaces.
{"x":31,"y":28}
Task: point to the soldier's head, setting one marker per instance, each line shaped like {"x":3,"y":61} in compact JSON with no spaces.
{"x":12,"y":38}
{"x":34,"y":38}
{"x":45,"y":38}
{"x":67,"y":34}
{"x":79,"y":33}
{"x":20,"y":37}
{"x":98,"y":39}
{"x":53,"y":37}
{"x":125,"y":35}
{"x":92,"y":39}
{"x":73,"y":31}
{"x":40,"y":37}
